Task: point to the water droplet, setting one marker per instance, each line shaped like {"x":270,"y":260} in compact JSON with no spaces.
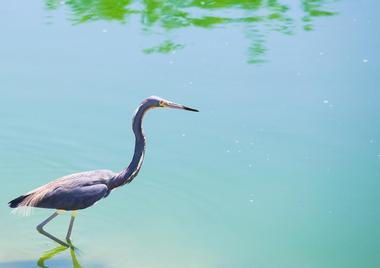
{"x":321,"y":53}
{"x":250,"y":165}
{"x":202,"y":3}
{"x":237,"y":141}
{"x":227,"y":151}
{"x":104,"y":30}
{"x":365,"y":60}
{"x":251,"y":200}
{"x":325,"y":101}
{"x":183,"y":135}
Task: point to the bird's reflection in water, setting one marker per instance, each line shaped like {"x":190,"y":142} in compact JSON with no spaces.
{"x":56,"y":251}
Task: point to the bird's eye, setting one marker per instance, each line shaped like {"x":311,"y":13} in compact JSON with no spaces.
{"x":162,"y":104}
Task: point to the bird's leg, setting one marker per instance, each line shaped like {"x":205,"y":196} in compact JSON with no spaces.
{"x":43,"y":232}
{"x":73,"y":215}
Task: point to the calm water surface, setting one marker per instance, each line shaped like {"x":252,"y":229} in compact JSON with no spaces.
{"x":281,"y":167}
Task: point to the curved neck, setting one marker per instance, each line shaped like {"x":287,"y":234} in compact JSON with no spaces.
{"x":129,"y":173}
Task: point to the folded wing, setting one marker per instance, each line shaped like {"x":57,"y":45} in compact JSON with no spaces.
{"x":73,"y":198}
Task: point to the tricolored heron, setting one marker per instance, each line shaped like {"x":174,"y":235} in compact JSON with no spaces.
{"x":82,"y":190}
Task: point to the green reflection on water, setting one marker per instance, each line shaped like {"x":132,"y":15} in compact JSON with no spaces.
{"x":56,"y":251}
{"x":312,"y":9}
{"x":166,"y":47}
{"x":49,"y":255}
{"x":257,"y":16}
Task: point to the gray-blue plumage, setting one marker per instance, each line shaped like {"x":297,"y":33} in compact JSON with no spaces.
{"x":71,"y":192}
{"x":77,"y":191}
{"x":81,"y":190}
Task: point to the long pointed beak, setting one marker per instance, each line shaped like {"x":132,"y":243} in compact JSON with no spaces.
{"x":180,"y":106}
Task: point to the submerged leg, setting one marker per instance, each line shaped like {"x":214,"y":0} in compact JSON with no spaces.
{"x":73,"y":215}
{"x":43,"y":232}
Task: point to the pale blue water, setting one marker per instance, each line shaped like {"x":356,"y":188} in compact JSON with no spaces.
{"x":281,"y":167}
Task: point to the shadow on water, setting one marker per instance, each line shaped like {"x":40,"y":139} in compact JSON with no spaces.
{"x":47,"y":260}
{"x":161,"y":17}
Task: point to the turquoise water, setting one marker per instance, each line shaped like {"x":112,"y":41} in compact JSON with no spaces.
{"x":280,"y":168}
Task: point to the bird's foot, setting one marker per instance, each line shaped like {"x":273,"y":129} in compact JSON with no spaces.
{"x":71,"y":245}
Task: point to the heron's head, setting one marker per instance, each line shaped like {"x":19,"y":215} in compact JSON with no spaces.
{"x":157,"y":102}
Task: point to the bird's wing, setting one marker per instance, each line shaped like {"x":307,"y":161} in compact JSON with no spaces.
{"x":73,"y":198}
{"x":66,"y":184}
{"x":87,"y":177}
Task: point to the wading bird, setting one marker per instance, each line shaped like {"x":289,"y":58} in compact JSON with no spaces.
{"x":82,"y":190}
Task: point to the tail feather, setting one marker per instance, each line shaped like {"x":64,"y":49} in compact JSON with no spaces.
{"x":15,"y":202}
